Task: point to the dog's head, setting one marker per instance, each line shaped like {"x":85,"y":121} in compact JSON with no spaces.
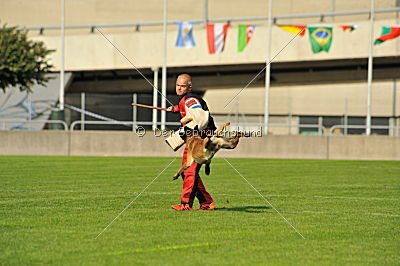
{"x":220,"y":142}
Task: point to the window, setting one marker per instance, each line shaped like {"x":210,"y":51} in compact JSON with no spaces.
{"x":308,"y":120}
{"x":356,"y":121}
{"x":380,"y":121}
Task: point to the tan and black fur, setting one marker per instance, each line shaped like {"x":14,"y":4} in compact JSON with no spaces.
{"x":202,"y":150}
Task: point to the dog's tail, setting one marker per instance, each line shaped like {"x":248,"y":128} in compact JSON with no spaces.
{"x":221,"y":128}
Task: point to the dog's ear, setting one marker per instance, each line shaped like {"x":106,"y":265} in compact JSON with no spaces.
{"x":198,"y":132}
{"x":184,"y":133}
{"x":240,"y":134}
{"x":188,"y":131}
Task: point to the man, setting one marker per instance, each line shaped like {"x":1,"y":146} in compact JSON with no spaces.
{"x":192,"y":184}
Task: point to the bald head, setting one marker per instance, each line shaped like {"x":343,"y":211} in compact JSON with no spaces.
{"x":183,"y":84}
{"x":186,"y":77}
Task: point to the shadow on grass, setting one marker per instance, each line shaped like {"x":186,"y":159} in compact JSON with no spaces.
{"x":253,"y":209}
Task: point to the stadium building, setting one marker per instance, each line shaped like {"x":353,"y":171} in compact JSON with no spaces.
{"x":309,"y":93}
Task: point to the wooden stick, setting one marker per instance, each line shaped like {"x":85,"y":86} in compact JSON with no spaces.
{"x":149,"y":106}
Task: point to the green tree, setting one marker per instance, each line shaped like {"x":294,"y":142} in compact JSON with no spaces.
{"x":23,"y":62}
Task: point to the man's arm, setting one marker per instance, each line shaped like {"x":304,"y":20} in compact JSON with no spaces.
{"x":174,"y":109}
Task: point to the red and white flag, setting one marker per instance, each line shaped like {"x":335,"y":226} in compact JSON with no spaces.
{"x":216,"y":36}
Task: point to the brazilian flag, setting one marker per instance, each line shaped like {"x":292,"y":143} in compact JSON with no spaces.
{"x":320,"y":38}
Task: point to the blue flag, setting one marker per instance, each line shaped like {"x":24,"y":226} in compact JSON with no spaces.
{"x":185,"y":35}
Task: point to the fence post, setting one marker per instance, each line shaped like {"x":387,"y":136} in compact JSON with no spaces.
{"x":134,"y":112}
{"x":83,"y":104}
{"x":29,"y":110}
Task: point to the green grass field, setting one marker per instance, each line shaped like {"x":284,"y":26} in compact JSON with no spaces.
{"x":52,"y":208}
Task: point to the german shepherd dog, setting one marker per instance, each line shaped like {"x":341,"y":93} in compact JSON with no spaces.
{"x":202,"y":150}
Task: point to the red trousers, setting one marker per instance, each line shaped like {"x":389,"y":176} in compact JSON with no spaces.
{"x":193,"y":185}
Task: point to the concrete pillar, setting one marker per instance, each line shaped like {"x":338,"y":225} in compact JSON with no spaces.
{"x":320,"y":125}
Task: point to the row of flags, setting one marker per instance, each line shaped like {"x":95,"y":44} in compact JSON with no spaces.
{"x":216,"y":36}
{"x":320,"y":36}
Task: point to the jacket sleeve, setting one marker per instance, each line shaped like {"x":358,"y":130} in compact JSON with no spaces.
{"x":176,"y":109}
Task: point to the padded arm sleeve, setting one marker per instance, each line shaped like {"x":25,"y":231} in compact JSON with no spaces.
{"x":199,"y":116}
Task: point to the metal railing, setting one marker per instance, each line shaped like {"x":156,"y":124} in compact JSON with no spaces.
{"x":246,"y":125}
{"x":137,"y":25}
{"x":4,"y":122}
{"x":241,"y":126}
{"x":131,"y":124}
{"x":346,"y":127}
{"x":233,"y":126}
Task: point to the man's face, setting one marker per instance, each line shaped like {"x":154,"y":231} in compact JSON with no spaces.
{"x":182,"y":86}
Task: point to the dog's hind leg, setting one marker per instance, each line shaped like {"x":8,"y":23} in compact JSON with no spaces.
{"x":180,"y":171}
{"x":189,"y":159}
{"x":185,"y":166}
{"x":207,"y":168}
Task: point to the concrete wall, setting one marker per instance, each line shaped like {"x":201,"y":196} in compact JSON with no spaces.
{"x":364,"y":148}
{"x":117,"y":143}
{"x":299,"y":147}
{"x":122,"y":143}
{"x":317,"y":99}
{"x":34,"y":143}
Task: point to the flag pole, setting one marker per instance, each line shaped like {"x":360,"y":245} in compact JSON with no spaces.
{"x":61,"y":96}
{"x":155,"y":96}
{"x":205,"y":11}
{"x":164,"y":68}
{"x":268,"y":69}
{"x":370,"y":66}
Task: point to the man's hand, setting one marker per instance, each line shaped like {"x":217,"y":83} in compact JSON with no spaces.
{"x":170,"y":109}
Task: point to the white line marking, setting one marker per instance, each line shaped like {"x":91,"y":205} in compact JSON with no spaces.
{"x":355,"y":198}
{"x":174,"y":193}
{"x":140,"y":250}
{"x":285,"y":212}
{"x":383,"y":214}
{"x":379,"y":167}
